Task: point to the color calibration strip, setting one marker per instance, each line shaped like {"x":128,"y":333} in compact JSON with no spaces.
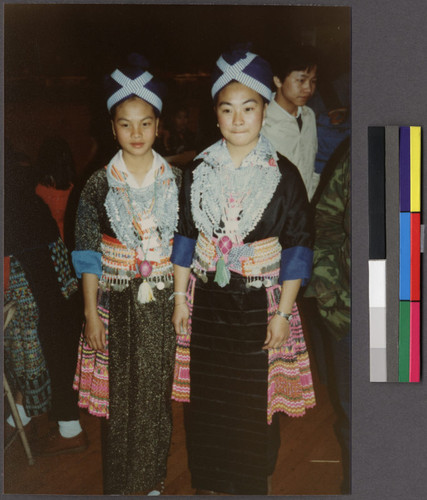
{"x":409,"y":269}
{"x":377,"y":255}
{"x":394,"y":262}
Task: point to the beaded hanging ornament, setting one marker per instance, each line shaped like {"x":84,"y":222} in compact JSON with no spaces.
{"x":143,"y":223}
{"x":145,"y":293}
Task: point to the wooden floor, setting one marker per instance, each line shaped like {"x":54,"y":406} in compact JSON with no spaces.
{"x":308,"y":462}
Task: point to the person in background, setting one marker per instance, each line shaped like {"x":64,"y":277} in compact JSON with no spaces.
{"x":175,"y":139}
{"x":240,"y":256}
{"x":181,"y":138}
{"x":161,"y":144}
{"x":126,"y":219}
{"x":42,"y":338}
{"x":57,"y":175}
{"x":331,"y":104}
{"x":329,"y":287}
{"x":290,"y":124}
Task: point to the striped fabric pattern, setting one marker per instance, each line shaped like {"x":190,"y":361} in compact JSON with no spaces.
{"x":136,"y":87}
{"x":290,"y":383}
{"x":226,"y":421}
{"x":239,"y":72}
{"x":91,"y":378}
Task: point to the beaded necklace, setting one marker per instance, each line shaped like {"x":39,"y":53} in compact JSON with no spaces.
{"x":228,"y":202}
{"x":152,"y":211}
{"x":219,"y":186}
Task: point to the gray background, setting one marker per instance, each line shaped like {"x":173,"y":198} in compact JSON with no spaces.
{"x":389,"y":87}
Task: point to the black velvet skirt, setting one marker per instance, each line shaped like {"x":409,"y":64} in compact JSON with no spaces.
{"x":231,"y":447}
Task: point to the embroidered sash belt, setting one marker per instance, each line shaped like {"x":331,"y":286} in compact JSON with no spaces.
{"x":259,"y":261}
{"x":120,"y":265}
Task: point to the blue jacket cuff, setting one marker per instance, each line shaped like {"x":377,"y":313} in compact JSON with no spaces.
{"x":296,"y":263}
{"x":183,"y":250}
{"x":87,"y":261}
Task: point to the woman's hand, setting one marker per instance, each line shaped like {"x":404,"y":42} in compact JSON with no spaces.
{"x":278,"y":331}
{"x":180,"y":317}
{"x":94,"y":332}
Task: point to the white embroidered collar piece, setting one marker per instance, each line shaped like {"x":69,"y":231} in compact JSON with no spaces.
{"x":228,"y":200}
{"x":120,"y":165}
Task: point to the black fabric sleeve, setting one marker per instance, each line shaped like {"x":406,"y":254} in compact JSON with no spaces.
{"x":88,"y":231}
{"x":297,"y":229}
{"x":288,"y":216}
{"x":186,"y":226}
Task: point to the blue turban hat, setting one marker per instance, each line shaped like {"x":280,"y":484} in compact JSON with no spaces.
{"x":133,"y":80}
{"x":245,"y":67}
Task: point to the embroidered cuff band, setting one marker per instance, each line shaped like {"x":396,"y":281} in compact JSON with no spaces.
{"x":296,"y":263}
{"x":183,"y":250}
{"x":87,"y":261}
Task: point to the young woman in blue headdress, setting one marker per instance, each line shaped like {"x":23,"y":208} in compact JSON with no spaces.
{"x":241,"y":253}
{"x":125,"y":223}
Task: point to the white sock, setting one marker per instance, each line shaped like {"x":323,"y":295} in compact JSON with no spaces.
{"x":69,"y":428}
{"x":25,"y":419}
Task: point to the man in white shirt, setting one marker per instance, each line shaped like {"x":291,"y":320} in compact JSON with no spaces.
{"x":290,"y":125}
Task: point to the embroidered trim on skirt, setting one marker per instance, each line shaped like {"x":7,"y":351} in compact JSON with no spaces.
{"x":290,"y":384}
{"x":92,"y":374}
{"x":91,"y":378}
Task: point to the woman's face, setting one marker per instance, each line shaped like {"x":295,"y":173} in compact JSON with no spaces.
{"x":240,"y":112}
{"x":135,"y":126}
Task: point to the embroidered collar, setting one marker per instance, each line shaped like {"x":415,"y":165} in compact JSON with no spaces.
{"x":228,"y":200}
{"x":145,"y":216}
{"x":118,"y":174}
{"x":218,"y":154}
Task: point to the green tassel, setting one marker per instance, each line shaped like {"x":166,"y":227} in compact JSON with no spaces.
{"x":222,"y":275}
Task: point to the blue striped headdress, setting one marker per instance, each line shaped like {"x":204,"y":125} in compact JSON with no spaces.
{"x":133,"y":80}
{"x":244,"y":67}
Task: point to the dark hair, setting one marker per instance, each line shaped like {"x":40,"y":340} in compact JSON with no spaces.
{"x":55,"y":163}
{"x":293,"y":58}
